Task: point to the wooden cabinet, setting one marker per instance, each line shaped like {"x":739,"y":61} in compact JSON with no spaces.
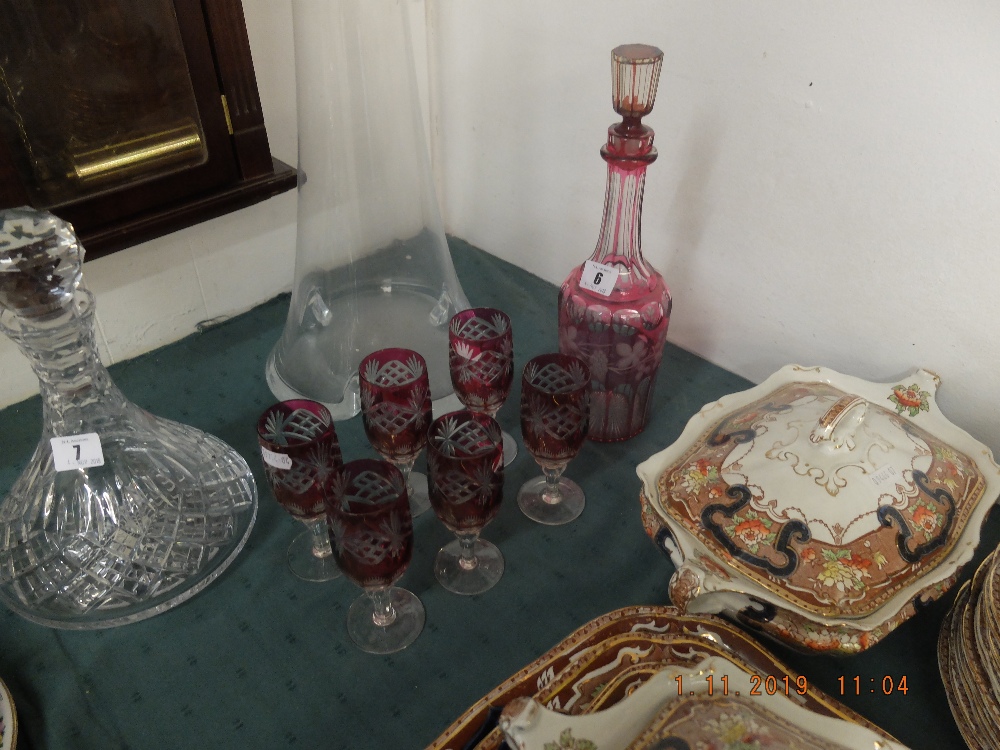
{"x":131,"y":118}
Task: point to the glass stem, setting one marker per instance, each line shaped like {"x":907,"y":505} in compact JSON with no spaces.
{"x":552,"y":493}
{"x":383,"y":613}
{"x":320,"y":537}
{"x":405,"y":467}
{"x":468,"y":560}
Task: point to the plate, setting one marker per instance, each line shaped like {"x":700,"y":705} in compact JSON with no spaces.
{"x":966,"y":666}
{"x":8,"y":720}
{"x":818,"y":506}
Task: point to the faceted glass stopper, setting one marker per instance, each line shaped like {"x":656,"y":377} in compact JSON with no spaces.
{"x":635,"y":72}
{"x":41,"y":262}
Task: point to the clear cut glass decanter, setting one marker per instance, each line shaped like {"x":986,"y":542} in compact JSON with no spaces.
{"x":119,"y":515}
{"x":614,"y":308}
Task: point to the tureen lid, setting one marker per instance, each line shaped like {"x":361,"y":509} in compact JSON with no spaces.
{"x":832,"y":493}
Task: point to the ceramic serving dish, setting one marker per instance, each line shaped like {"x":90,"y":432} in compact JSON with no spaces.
{"x":818,"y":507}
{"x":685,"y":704}
{"x":611,"y":656}
{"x":475,"y":721}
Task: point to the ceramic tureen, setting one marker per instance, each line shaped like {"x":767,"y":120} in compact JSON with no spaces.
{"x":820,"y":508}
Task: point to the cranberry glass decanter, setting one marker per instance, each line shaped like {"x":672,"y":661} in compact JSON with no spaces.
{"x":118,"y":515}
{"x":614,"y":309}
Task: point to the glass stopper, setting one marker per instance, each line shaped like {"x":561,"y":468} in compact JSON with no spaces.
{"x":635,"y":72}
{"x":41,"y":263}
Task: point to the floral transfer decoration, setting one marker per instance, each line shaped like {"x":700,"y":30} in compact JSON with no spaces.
{"x":566,"y":741}
{"x":927,"y":518}
{"x":910,"y":399}
{"x":701,"y":475}
{"x":840,"y":569}
{"x":844,"y":639}
{"x":752,"y":530}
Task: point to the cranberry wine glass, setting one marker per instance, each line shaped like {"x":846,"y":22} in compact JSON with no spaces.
{"x":465,"y":460}
{"x":368,"y":513}
{"x":555,"y":413}
{"x":299,"y":446}
{"x":396,"y":410}
{"x":481,"y":361}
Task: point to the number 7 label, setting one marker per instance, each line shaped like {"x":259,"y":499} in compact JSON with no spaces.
{"x":77,"y":451}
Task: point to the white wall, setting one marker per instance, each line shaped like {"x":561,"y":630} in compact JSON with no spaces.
{"x":826,"y":193}
{"x":828,"y":182}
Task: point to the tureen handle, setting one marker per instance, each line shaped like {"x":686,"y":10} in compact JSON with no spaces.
{"x":686,"y":585}
{"x":841,"y":422}
{"x":930,"y":380}
{"x":518,"y":717}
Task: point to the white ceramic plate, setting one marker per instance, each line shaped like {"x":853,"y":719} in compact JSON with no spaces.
{"x":8,"y":720}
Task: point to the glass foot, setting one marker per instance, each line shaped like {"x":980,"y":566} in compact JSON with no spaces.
{"x":400,"y":633}
{"x":305,"y":565}
{"x":454,"y":576}
{"x":420,"y":500}
{"x":509,"y":449}
{"x":535,"y":504}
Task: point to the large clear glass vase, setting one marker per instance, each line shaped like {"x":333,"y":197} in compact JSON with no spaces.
{"x":372,"y":267}
{"x":118,"y":515}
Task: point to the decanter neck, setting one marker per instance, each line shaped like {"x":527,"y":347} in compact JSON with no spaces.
{"x":63,"y":353}
{"x":628,"y":151}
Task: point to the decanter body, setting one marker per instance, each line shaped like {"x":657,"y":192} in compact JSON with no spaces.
{"x":119,"y":515}
{"x":614,"y":309}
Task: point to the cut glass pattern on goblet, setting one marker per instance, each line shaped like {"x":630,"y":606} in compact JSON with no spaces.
{"x":481,"y":360}
{"x":465,"y":459}
{"x":394,"y":372}
{"x":298,"y":426}
{"x":396,"y":410}
{"x":301,"y":453}
{"x":555,"y":405}
{"x":371,"y":528}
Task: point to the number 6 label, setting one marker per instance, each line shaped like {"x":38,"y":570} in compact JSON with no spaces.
{"x":77,"y":451}
{"x":598,"y":277}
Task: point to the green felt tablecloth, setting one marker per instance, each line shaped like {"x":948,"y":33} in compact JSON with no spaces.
{"x":262,"y":660}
